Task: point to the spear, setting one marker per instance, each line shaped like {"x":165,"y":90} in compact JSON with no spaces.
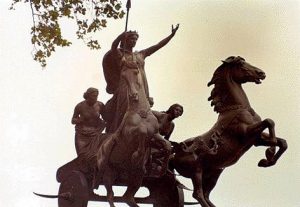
{"x":128,"y":6}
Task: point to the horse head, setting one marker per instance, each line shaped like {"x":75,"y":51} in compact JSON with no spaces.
{"x":242,"y":72}
{"x":228,"y":79}
{"x":131,"y":75}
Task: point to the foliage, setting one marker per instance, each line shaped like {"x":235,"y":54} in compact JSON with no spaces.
{"x":89,"y":15}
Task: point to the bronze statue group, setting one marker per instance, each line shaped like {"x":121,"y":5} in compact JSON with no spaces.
{"x":91,"y":116}
{"x":136,"y":145}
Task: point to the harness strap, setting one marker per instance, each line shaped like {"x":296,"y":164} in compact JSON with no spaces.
{"x":218,"y":131}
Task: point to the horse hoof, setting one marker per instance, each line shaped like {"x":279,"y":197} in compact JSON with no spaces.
{"x":265,"y":163}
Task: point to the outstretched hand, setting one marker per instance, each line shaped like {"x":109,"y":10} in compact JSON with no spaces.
{"x":174,"y":29}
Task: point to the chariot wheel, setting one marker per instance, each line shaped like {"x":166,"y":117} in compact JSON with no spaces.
{"x":164,"y":191}
{"x":73,"y":191}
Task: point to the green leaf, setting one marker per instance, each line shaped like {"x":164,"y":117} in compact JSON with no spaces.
{"x":46,"y":34}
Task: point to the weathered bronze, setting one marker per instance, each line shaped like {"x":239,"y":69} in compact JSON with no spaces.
{"x":127,"y":156}
{"x":87,"y":120}
{"x":120,"y":158}
{"x":112,"y":65}
{"x":165,"y":119}
{"x":128,"y":149}
{"x":238,"y":128}
{"x":135,"y":151}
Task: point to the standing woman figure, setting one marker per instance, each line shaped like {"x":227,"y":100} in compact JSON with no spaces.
{"x":87,"y":120}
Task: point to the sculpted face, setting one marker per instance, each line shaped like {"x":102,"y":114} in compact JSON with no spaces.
{"x":92,"y":98}
{"x":177,"y":111}
{"x":131,"y":40}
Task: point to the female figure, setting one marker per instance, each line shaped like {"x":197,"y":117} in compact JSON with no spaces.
{"x":165,"y":120}
{"x":113,"y":62}
{"x":166,"y":127}
{"x":86,"y":117}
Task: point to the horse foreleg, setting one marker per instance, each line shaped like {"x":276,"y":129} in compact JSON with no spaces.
{"x":282,"y":144}
{"x":210,"y":179}
{"x":258,"y":128}
{"x":108,"y":180}
{"x":198,"y":194}
{"x":271,"y":155}
{"x":135,"y":182}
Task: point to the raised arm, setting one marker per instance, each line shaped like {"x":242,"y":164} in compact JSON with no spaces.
{"x":116,"y":42}
{"x":149,"y":51}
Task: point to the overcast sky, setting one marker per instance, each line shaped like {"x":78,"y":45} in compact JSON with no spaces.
{"x":37,"y":105}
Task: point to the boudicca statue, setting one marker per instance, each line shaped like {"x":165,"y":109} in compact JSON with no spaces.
{"x":135,"y":149}
{"x":124,"y":157}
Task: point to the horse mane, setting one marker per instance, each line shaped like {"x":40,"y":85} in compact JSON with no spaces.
{"x":218,"y":94}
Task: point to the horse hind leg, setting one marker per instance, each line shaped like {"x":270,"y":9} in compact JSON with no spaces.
{"x":210,"y":179}
{"x":198,"y":193}
{"x":135,"y":182}
{"x":258,"y":128}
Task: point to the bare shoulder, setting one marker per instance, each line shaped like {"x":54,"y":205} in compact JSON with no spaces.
{"x":78,"y":109}
{"x":161,"y":116}
{"x":100,"y":104}
{"x":79,"y":105}
{"x":158,"y":114}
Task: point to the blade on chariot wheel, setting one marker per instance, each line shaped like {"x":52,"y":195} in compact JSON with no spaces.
{"x":75,"y":185}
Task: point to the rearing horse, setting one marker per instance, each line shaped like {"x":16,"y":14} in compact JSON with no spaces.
{"x":126,"y":152}
{"x":237,"y":129}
